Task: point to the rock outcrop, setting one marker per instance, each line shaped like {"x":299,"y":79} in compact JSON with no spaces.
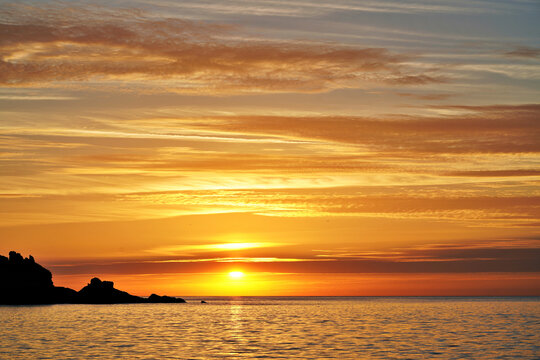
{"x":25,"y":282}
{"x":103,"y":292}
{"x":164,"y":299}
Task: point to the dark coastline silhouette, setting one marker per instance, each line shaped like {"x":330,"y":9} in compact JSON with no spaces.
{"x":25,"y":282}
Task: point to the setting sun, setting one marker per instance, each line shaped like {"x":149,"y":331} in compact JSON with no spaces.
{"x":236,"y":274}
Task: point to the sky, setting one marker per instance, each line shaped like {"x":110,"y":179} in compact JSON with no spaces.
{"x":318,"y":147}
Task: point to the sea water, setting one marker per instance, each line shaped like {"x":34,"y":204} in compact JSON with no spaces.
{"x":274,"y":328}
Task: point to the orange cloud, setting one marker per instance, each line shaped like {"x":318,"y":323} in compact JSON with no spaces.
{"x":79,"y":45}
{"x":423,"y":96}
{"x":495,"y":173}
{"x":487,"y":129}
{"x":238,"y":162}
{"x":487,"y":256}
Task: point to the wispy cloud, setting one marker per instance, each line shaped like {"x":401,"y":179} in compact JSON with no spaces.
{"x":523,"y":52}
{"x":318,"y":8}
{"x":231,"y":260}
{"x":211,"y":165}
{"x":509,"y":256}
{"x":485,"y":129}
{"x":81,"y":45}
{"x":186,"y":248}
{"x":495,"y":173}
{"x":428,"y":96}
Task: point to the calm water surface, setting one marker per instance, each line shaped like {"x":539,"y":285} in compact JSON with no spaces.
{"x":288,"y":328}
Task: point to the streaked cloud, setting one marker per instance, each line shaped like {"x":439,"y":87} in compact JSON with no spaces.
{"x":524,"y":52}
{"x":319,"y":8}
{"x":495,"y":173}
{"x":499,"y":256}
{"x":84,"y":45}
{"x":429,"y":97}
{"x":226,"y":260}
{"x":497,"y":204}
{"x":490,"y":129}
{"x":185,"y":248}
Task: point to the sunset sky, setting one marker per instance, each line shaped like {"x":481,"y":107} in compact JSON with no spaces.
{"x":319,"y":147}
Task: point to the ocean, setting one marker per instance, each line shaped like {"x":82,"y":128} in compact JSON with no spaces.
{"x":278,"y":328}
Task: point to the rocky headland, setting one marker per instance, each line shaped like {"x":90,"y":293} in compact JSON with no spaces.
{"x":25,"y":282}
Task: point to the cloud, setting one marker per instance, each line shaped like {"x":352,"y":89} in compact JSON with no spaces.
{"x":416,"y":79}
{"x":236,"y":162}
{"x":470,"y":206}
{"x":62,"y":46}
{"x":495,"y":256}
{"x":495,"y":173}
{"x":480,"y":129}
{"x":472,"y":210}
{"x":322,"y":9}
{"x":421,"y":96}
{"x":524,"y":52}
{"x":473,"y":167}
{"x":198,"y":248}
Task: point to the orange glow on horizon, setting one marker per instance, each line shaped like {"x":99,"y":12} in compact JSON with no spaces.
{"x":276,"y":284}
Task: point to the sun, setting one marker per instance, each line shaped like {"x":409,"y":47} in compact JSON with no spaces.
{"x":236,"y":274}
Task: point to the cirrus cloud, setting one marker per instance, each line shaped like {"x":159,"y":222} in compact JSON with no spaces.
{"x":81,"y":46}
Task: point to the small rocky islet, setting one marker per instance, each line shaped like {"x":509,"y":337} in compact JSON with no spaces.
{"x":25,"y":282}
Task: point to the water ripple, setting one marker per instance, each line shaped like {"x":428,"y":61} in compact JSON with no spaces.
{"x":308,"y":328}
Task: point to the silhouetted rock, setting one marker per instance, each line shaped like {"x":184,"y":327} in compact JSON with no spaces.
{"x":164,"y":299}
{"x":24,"y":282}
{"x":103,"y":292}
{"x":203,"y":302}
{"x":63,"y":295}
